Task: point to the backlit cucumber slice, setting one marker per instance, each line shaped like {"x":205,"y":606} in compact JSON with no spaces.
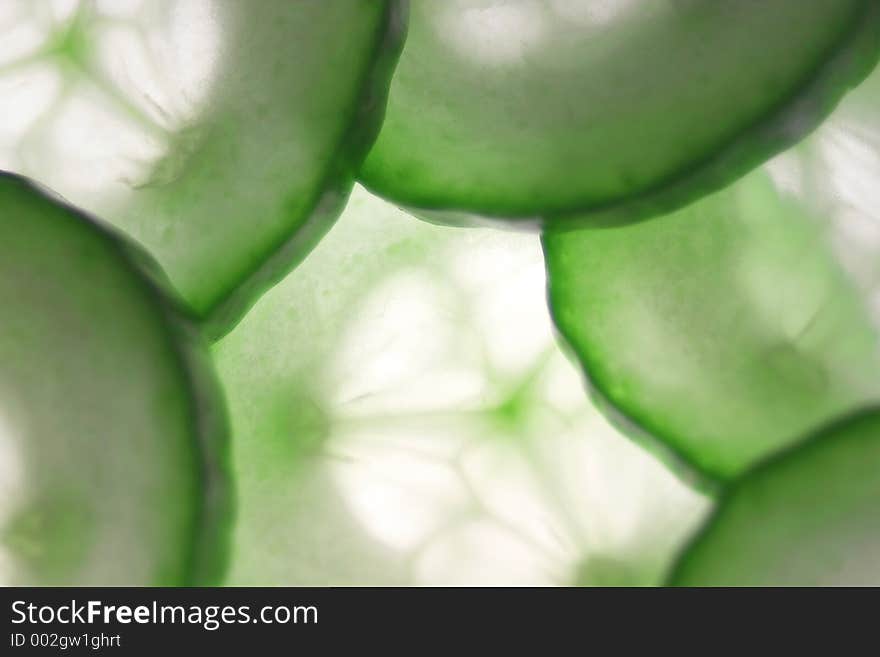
{"x":606,"y":111}
{"x":112,"y":433}
{"x":806,"y":518}
{"x":403,"y":415}
{"x":222,"y":136}
{"x":727,"y":329}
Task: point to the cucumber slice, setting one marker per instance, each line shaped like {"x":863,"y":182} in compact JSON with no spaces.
{"x":606,"y":111}
{"x":403,"y":415}
{"x":221,"y":137}
{"x":112,"y":430}
{"x":806,"y":518}
{"x":728,"y":329}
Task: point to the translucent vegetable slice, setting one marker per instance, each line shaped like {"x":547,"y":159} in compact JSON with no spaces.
{"x":112,"y":433}
{"x":727,"y":329}
{"x":221,"y":137}
{"x":735,"y":326}
{"x":612,"y":110}
{"x":806,"y":518}
{"x":403,"y":415}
